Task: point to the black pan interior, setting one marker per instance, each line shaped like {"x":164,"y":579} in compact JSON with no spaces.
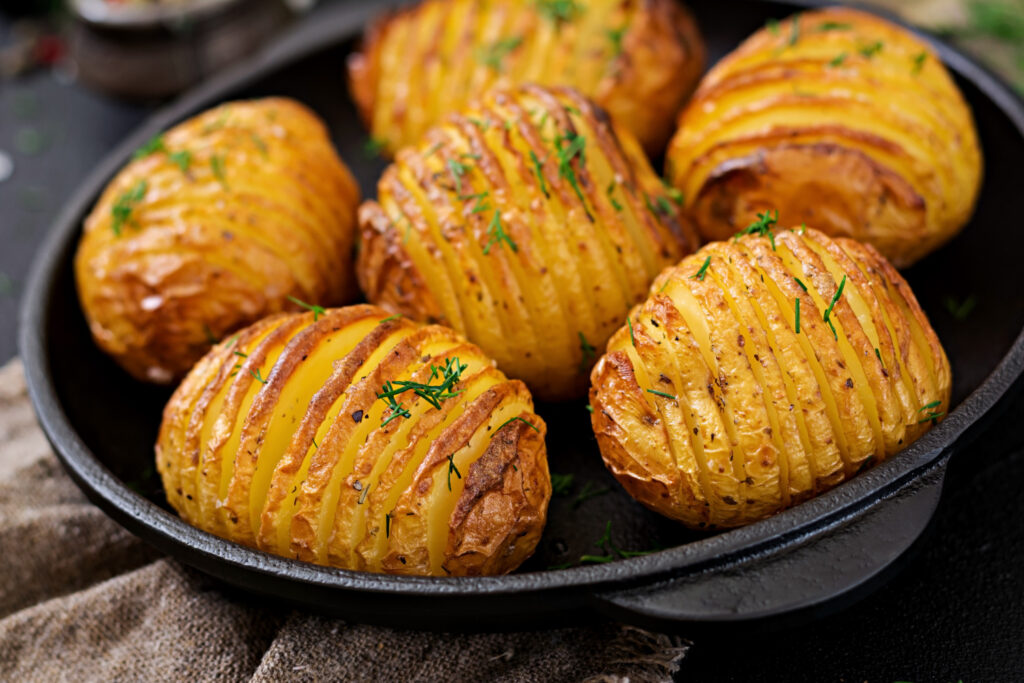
{"x":978,"y":272}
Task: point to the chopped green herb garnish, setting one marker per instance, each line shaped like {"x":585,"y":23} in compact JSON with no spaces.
{"x":878,"y":355}
{"x":390,"y":318}
{"x":364,"y":493}
{"x":632,"y":339}
{"x":217,"y":166}
{"x":458,"y":169}
{"x":257,"y":376}
{"x":121,"y":212}
{"x":182,"y":159}
{"x":673,"y":192}
{"x":260,"y":145}
{"x":153,"y":145}
{"x":802,"y":285}
{"x":960,"y":309}
{"x":431,"y":393}
{"x":538,"y":169}
{"x":590,"y":408}
{"x":483,"y":125}
{"x":513,"y":419}
{"x":615,"y":36}
{"x":589,"y":353}
{"x":317,"y":310}
{"x":609,"y":191}
{"x":587,"y":492}
{"x":773,"y":26}
{"x":762,"y":226}
{"x":374,"y":147}
{"x":498,"y":235}
{"x":241,"y":354}
{"x":561,"y":483}
{"x":387,"y":520}
{"x":699,"y":275}
{"x":931,"y":416}
{"x":833,"y":26}
{"x":832,"y":304}
{"x":919,"y":60}
{"x":210,"y":337}
{"x":838,"y":59}
{"x":797,"y":309}
{"x":871,"y":50}
{"x":661,"y":393}
{"x":493,"y":55}
{"x":558,"y":11}
{"x":452,"y":468}
{"x":929,"y":406}
{"x":573,"y":147}
{"x":794,"y":34}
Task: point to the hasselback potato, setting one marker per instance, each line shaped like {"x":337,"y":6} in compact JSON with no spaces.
{"x":211,"y":226}
{"x":836,"y":118}
{"x":527,"y":224}
{"x":763,"y":371}
{"x":357,"y":439}
{"x":639,"y":59}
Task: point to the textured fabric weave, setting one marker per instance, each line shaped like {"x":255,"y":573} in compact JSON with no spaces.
{"x":81,"y":599}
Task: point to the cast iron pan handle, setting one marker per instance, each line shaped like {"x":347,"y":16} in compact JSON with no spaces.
{"x":800,"y":577}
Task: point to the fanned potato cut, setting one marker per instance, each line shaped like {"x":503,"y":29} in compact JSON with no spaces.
{"x":213,"y":225}
{"x":762,"y":371}
{"x":837,"y":119}
{"x":639,"y":59}
{"x":354,"y":438}
{"x":527,"y":224}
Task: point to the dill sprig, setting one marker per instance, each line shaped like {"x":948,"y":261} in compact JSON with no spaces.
{"x":458,"y":170}
{"x":558,"y":11}
{"x":452,"y":468}
{"x":871,"y":50}
{"x":833,"y":26}
{"x":498,"y":235}
{"x":762,"y":226}
{"x":182,"y":159}
{"x":611,"y":189}
{"x":257,"y":376}
{"x":317,"y":310}
{"x":538,"y":169}
{"x":699,"y":275}
{"x":433,"y":394}
{"x":568,"y":147}
{"x":832,"y":305}
{"x":561,"y":483}
{"x":121,"y":211}
{"x":661,"y":393}
{"x":513,"y":419}
{"x":494,"y":55}
{"x":153,"y":145}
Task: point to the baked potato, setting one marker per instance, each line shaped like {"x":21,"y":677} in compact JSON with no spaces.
{"x":210,"y":227}
{"x":353,"y":438}
{"x":526,"y":223}
{"x":763,"y":371}
{"x":838,"y":119}
{"x":639,"y":59}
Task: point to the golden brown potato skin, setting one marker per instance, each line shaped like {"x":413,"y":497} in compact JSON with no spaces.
{"x":280,"y":439}
{"x":837,"y":119}
{"x":527,"y":224}
{"x":237,"y":209}
{"x":638,"y":59}
{"x":718,"y":410}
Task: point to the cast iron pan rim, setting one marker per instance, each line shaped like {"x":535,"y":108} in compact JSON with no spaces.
{"x":336,"y":25}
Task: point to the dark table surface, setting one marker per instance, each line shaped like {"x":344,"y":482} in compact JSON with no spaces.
{"x":954,"y":612}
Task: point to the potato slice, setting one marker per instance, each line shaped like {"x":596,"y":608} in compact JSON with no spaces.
{"x":762,"y":371}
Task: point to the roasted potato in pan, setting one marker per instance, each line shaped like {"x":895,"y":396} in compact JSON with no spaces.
{"x":763,"y":371}
{"x":529,"y":225}
{"x":838,"y":119}
{"x":354,"y":438}
{"x":639,"y":59}
{"x":212,"y":226}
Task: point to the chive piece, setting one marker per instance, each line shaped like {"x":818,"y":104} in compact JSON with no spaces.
{"x":929,"y":406}
{"x":317,"y":310}
{"x":153,"y":145}
{"x":365,"y":492}
{"x":217,"y":166}
{"x":240,"y":354}
{"x":483,"y":125}
{"x":661,"y":393}
{"x":387,"y":525}
{"x":558,"y":11}
{"x":699,"y":275}
{"x":833,"y":26}
{"x":493,"y":55}
{"x":210,"y":337}
{"x":762,"y":227}
{"x":797,"y":307}
{"x":433,"y":394}
{"x":121,"y":212}
{"x":566,"y":153}
{"x":538,"y":168}
{"x":794,"y":34}
{"x":615,"y":36}
{"x":452,"y":468}
{"x":590,"y":408}
{"x":374,"y":147}
{"x":561,"y":483}
{"x":931,"y":417}
{"x":182,"y":159}
{"x":632,"y":339}
{"x":256,"y":374}
{"x":838,"y":59}
{"x":664,"y":286}
{"x":458,"y":170}
{"x":390,"y":318}
{"x":832,"y":304}
{"x":513,"y":419}
{"x":589,"y":353}
{"x":919,"y":60}
{"x":498,"y":235}
{"x":878,"y":355}
{"x":260,"y":145}
{"x":960,"y":310}
{"x":802,"y":285}
{"x":615,"y":204}
{"x":773,"y":26}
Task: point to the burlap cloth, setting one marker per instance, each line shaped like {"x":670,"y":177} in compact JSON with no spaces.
{"x":82,"y":599}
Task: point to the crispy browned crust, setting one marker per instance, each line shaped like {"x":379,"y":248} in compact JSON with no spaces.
{"x":716,"y":409}
{"x":639,"y":60}
{"x":583,"y":233}
{"x":261,"y":209}
{"x":837,"y":119}
{"x":277,"y":440}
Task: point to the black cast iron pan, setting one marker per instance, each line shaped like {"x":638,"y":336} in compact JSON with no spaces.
{"x":103,"y":424}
